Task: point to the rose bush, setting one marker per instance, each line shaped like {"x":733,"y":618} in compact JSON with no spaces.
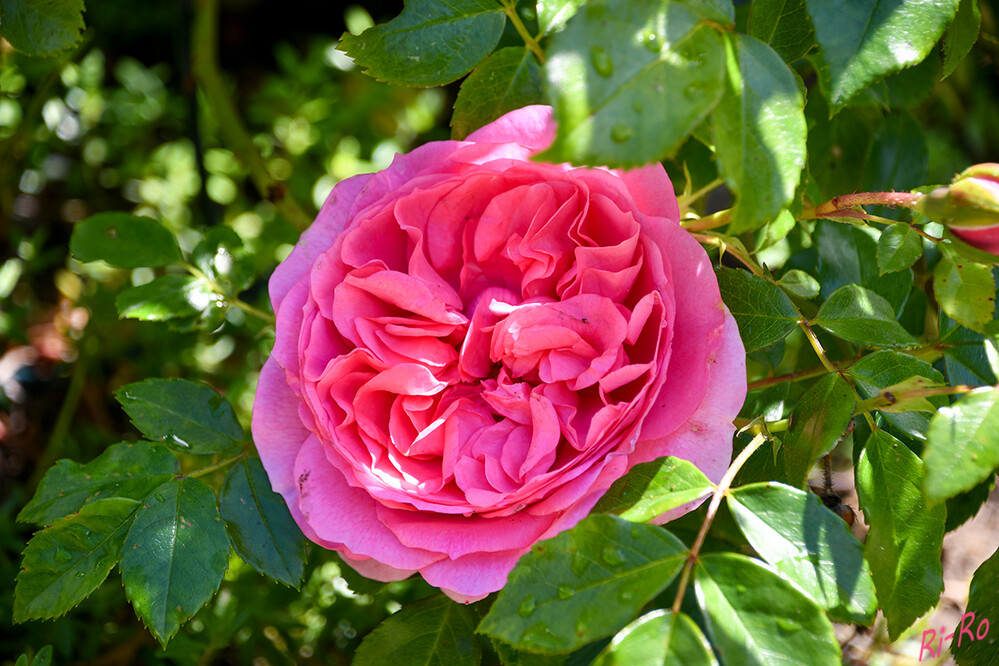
{"x":471,"y":347}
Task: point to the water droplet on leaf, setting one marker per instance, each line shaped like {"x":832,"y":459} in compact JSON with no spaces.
{"x":613,"y":556}
{"x":62,"y":556}
{"x":601,"y":61}
{"x":621,"y":133}
{"x":787,"y":626}
{"x":579,"y":564}
{"x":565,"y":592}
{"x":526,"y":608}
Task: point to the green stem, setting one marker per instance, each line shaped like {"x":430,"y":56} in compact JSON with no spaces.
{"x":205,"y":68}
{"x":685,"y":200}
{"x":510,"y":7}
{"x":720,"y":490}
{"x":217,"y":466}
{"x":249,"y":309}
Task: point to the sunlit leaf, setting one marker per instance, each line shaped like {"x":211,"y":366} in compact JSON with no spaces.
{"x":898,"y":248}
{"x":962,"y":445}
{"x":259,"y":524}
{"x":187,"y":416}
{"x":659,"y":637}
{"x":784,"y":25}
{"x":858,"y":315}
{"x":961,"y":35}
{"x":430,"y":43}
{"x":64,"y":563}
{"x":175,"y":555}
{"x":751,"y":612}
{"x":508,"y":79}
{"x":906,"y":536}
{"x":41,"y":27}
{"x":651,"y":489}
{"x":432,"y":631}
{"x":637,"y":101}
{"x":583,"y":584}
{"x":124,"y":240}
{"x":965,"y":290}
{"x":876,"y":372}
{"x":809,"y":545}
{"x":759,"y":130}
{"x":764,"y":313}
{"x":123,"y":470}
{"x":819,"y":419}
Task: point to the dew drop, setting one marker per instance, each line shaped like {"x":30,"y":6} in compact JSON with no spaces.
{"x":693,"y":90}
{"x":111,"y":232}
{"x":740,"y":589}
{"x":526,"y":608}
{"x":613,"y":556}
{"x":539,"y":636}
{"x":158,"y":497}
{"x":621,"y":133}
{"x":80,"y":574}
{"x":565,"y":592}
{"x":579,"y":564}
{"x":787,"y":626}
{"x":180,"y":442}
{"x":637,"y":106}
{"x":652,"y":42}
{"x":62,"y":556}
{"x":580,"y":628}
{"x":601,"y":61}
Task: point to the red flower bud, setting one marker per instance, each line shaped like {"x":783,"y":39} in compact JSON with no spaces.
{"x":969,"y":207}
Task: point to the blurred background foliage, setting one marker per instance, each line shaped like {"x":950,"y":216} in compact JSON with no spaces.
{"x":118,"y":124}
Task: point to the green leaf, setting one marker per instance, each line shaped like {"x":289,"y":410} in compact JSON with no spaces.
{"x":898,"y":156}
{"x":961,"y":35}
{"x":168,"y":297}
{"x":784,"y":25}
{"x":755,"y":617}
{"x":259,"y":524}
{"x":651,"y":489}
{"x":638,"y":101}
{"x":965,"y":290}
{"x":983,"y":604}
{"x":898,"y":248}
{"x":962,"y":445}
{"x":41,"y":27}
{"x":175,"y":555}
{"x":430,"y":43}
{"x":848,"y":255}
{"x":904,"y":543}
{"x":432,"y":631}
{"x":799,"y":283}
{"x":553,"y":14}
{"x":836,"y":148}
{"x":876,"y":372}
{"x":122,"y":470}
{"x":759,"y":131}
{"x":964,"y":506}
{"x":861,"y":316}
{"x":659,"y":637}
{"x":508,"y":79}
{"x":809,"y":545}
{"x":124,"y":240}
{"x":863,"y":41}
{"x":225,"y":262}
{"x":584,"y":584}
{"x":965,"y":359}
{"x":764,"y":313}
{"x":187,"y":416}
{"x":64,"y":563}
{"x":819,"y":419}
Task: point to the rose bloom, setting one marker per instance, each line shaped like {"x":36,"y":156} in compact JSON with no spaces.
{"x":472,"y":347}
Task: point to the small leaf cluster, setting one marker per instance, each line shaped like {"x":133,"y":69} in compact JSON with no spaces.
{"x":166,"y":531}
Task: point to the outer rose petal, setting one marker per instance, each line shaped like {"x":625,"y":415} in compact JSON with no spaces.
{"x":984,"y":238}
{"x":694,"y":386}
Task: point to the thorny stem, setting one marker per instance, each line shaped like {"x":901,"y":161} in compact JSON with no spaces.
{"x":205,"y":68}
{"x":720,"y":490}
{"x":510,"y":7}
{"x":217,"y":466}
{"x":836,"y":205}
{"x":721,"y":244}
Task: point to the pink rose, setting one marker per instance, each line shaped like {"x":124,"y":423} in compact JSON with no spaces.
{"x":471,"y":347}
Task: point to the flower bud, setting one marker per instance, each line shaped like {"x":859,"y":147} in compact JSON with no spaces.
{"x":969,"y":207}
